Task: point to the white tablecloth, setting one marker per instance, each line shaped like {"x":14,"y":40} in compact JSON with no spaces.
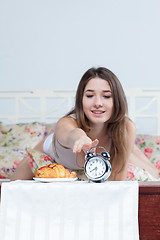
{"x":69,"y":211}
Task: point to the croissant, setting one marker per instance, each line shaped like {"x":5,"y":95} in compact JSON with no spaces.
{"x":54,"y":170}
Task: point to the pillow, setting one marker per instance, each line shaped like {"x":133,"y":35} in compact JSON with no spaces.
{"x":138,"y":174}
{"x":1,"y":125}
{"x":22,"y":135}
{"x":48,"y":128}
{"x":14,"y":139}
{"x":9,"y":159}
{"x":150,"y":146}
{"x":41,"y":159}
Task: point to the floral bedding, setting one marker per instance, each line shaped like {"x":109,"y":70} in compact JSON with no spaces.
{"x":14,"y":139}
{"x":18,"y":140}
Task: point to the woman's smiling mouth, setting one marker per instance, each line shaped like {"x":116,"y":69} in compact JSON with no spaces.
{"x":97,"y":112}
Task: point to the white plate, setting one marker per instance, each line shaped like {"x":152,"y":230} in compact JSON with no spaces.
{"x":54,"y":179}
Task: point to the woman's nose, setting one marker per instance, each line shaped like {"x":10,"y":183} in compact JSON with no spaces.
{"x":98,"y":102}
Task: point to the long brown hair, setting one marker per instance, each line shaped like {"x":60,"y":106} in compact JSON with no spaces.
{"x":115,"y":126}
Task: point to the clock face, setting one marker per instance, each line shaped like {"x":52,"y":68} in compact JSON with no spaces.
{"x":95,"y":167}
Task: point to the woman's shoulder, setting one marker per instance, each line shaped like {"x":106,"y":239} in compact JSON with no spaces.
{"x":67,"y":120}
{"x":130,"y":125}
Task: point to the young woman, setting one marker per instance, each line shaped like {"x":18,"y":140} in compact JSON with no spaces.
{"x":98,"y":119}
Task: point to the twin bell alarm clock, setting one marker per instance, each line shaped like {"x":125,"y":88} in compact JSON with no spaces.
{"x":97,"y":166}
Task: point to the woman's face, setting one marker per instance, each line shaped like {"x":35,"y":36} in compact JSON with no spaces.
{"x":97,"y":101}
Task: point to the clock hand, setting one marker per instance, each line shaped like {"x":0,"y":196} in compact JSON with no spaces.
{"x":94,"y":169}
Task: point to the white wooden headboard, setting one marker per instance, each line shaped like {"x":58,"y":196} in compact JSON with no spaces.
{"x":49,"y":105}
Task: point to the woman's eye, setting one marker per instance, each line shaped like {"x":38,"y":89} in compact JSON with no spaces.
{"x":89,"y":96}
{"x":107,"y":96}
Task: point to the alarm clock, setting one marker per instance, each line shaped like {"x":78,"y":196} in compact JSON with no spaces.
{"x":97,"y":166}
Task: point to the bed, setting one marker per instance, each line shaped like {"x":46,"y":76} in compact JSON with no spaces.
{"x":42,"y":108}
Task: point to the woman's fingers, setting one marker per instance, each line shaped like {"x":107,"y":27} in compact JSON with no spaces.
{"x":95,"y":143}
{"x":79,"y":146}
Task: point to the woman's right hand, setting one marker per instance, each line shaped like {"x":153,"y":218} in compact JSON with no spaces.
{"x":84,"y":143}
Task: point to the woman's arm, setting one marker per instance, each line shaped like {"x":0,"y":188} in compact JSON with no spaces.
{"x":131,"y":136}
{"x":69,"y":135}
{"x":23,"y":171}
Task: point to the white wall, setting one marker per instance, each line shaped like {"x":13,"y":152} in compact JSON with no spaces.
{"x":51,"y":43}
